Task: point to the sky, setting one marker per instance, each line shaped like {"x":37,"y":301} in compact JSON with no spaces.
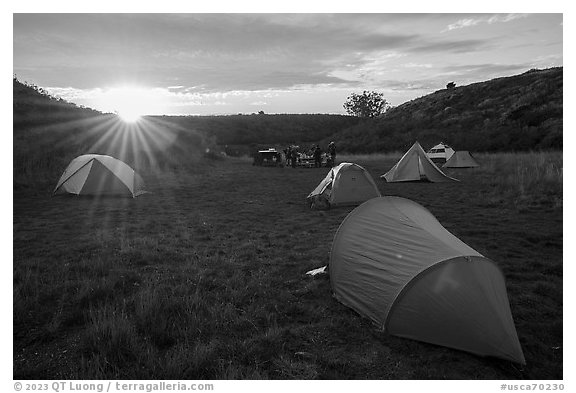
{"x":225,"y":63}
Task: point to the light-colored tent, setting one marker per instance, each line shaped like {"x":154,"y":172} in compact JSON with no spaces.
{"x":415,"y":166}
{"x":94,"y":174}
{"x":461,"y":159}
{"x":346,"y":184}
{"x":440,"y":153}
{"x":394,"y":263}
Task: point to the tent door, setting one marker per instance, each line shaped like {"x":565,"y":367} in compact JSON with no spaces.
{"x":421,"y":169}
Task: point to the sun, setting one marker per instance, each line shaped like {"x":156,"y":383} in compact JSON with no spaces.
{"x":130,"y":116}
{"x":131,"y":102}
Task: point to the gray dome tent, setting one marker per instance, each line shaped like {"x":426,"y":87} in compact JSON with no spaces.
{"x":346,"y":184}
{"x":95,"y":174}
{"x":395,"y":264}
{"x":440,"y":153}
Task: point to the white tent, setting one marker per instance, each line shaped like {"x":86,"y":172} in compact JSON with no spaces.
{"x":440,"y":153}
{"x":415,"y":166}
{"x":94,"y":174}
{"x":394,"y":263}
{"x":461,"y":159}
{"x":346,"y":184}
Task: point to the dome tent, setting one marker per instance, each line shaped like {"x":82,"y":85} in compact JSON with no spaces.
{"x":95,"y":174}
{"x":394,"y":263}
{"x":440,"y":153}
{"x":345,"y":184}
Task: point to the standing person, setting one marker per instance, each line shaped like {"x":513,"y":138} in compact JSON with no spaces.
{"x":288,"y":155}
{"x":317,"y":156}
{"x":332,"y":151}
{"x":294,"y":156}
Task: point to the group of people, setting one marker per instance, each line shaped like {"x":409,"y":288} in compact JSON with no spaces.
{"x":292,"y":155}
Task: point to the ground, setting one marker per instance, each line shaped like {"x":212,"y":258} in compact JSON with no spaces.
{"x":204,"y":278}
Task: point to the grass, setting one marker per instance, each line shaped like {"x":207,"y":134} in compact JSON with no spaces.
{"x":534,"y":179}
{"x":394,"y":156}
{"x":204,"y":278}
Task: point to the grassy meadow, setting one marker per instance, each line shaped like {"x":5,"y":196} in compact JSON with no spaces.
{"x":204,"y":277}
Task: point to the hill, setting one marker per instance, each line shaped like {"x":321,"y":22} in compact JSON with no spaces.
{"x":32,"y":106}
{"x":517,"y":113}
{"x":264,"y":128}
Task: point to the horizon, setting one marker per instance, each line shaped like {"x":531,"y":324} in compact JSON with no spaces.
{"x":228,"y":64}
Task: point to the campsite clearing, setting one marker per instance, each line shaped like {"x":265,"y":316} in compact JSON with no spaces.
{"x":204,"y":277}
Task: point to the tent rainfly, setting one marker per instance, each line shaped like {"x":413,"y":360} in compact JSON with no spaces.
{"x":440,"y":153}
{"x":461,"y":159}
{"x":94,"y":174}
{"x":394,"y":263}
{"x":346,"y":184}
{"x":416,"y":166}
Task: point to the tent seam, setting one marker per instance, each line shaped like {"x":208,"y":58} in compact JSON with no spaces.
{"x":72,"y":174}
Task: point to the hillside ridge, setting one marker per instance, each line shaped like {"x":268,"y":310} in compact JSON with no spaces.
{"x":516,"y":113}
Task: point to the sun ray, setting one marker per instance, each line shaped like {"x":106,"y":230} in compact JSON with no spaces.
{"x":108,"y":135}
{"x":146,"y":150}
{"x":167,"y":134}
{"x":115,"y":140}
{"x":134,"y":136}
{"x":65,"y":131}
{"x":124,"y":143}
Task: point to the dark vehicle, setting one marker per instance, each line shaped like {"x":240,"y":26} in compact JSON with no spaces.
{"x":270,"y":157}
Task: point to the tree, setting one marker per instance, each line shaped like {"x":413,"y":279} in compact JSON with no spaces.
{"x":367,"y":104}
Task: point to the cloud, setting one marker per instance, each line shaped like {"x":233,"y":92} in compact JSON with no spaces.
{"x":484,"y":69}
{"x":199,"y":59}
{"x":214,"y":52}
{"x":469,"y":22}
{"x":471,"y":73}
{"x":458,"y":46}
{"x":462,"y":74}
{"x":506,"y":18}
{"x":285,"y":79}
{"x":417,"y":65}
{"x":424,"y":85}
{"x":70,"y":93}
{"x":462,"y":23}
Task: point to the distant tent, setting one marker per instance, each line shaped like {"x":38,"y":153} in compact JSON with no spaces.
{"x":415,"y":166}
{"x":345,"y":184}
{"x":440,"y":153}
{"x":394,"y":263}
{"x":461,"y":159}
{"x":94,"y":174}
